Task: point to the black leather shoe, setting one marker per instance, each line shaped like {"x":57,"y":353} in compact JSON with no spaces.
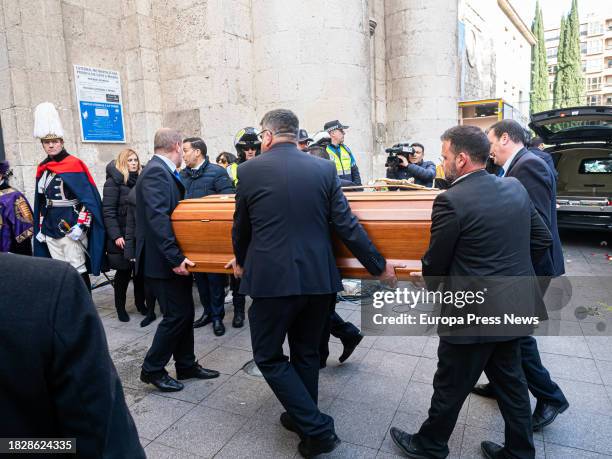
{"x":197,"y":372}
{"x":490,"y":450}
{"x":288,"y":423}
{"x":349,"y":347}
{"x":403,"y":441}
{"x":218,"y":328}
{"x":238,"y":321}
{"x":123,"y":316}
{"x":150,"y":318}
{"x":545,"y":413}
{"x":484,"y":390}
{"x":310,"y":447}
{"x":163,"y":382}
{"x":204,"y":320}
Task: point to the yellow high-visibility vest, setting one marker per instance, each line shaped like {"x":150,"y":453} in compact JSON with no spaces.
{"x":343,"y":162}
{"x":234,"y":173}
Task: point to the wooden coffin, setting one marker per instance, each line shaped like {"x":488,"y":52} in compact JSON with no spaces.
{"x":398,"y":223}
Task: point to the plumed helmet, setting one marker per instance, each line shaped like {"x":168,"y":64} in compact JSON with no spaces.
{"x":47,"y":123}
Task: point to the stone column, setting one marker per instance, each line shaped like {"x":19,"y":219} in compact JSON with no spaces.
{"x":379,"y":85}
{"x":314,"y":58}
{"x":421,"y":44}
{"x":141,"y":78}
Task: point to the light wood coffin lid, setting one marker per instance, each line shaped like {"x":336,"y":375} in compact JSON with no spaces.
{"x":398,"y":223}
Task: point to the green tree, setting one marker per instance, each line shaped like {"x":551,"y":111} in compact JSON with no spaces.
{"x":574,"y":93}
{"x":560,"y":73}
{"x":539,"y":69}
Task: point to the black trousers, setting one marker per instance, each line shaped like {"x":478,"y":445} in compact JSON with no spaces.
{"x":541,"y":386}
{"x":294,"y":380}
{"x":459,"y":367}
{"x":335,"y":326}
{"x":238,"y":299}
{"x":539,"y":382}
{"x":120,"y":286}
{"x":174,"y":335}
{"x":211,"y":288}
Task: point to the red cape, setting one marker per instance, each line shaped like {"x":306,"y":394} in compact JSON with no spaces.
{"x":68,"y":164}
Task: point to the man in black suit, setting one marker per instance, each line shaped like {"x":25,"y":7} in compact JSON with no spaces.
{"x":58,"y":379}
{"x":536,"y":146}
{"x":158,"y":192}
{"x":467,"y":244}
{"x":516,"y":161}
{"x":287,"y":203}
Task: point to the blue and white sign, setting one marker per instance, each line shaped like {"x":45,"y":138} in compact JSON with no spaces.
{"x":98,"y":94}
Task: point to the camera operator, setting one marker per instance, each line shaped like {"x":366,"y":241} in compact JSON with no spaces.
{"x":406,"y":161}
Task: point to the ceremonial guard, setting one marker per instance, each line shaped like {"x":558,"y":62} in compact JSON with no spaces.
{"x":15,"y":216}
{"x":67,"y":205}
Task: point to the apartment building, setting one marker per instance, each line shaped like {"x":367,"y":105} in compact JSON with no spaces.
{"x":596,"y":52}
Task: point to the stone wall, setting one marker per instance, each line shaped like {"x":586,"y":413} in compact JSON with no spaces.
{"x":314,"y":58}
{"x":422,"y":73}
{"x":388,"y":68}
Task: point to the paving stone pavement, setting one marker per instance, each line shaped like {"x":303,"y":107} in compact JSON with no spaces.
{"x":386,"y":382}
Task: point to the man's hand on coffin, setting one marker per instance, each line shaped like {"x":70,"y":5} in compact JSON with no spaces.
{"x":388,"y":277}
{"x":182,"y":270}
{"x":235,"y":267}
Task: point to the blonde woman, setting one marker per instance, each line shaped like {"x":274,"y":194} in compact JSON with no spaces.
{"x":121,"y":175}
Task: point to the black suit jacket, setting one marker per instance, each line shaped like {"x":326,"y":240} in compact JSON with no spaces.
{"x":540,"y":183}
{"x":287,"y":203}
{"x":57,"y":378}
{"x":474,"y":238}
{"x":547,"y":158}
{"x":158,"y":192}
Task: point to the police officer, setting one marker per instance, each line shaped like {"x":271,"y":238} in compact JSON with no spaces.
{"x":346,"y":166}
{"x":303,"y":141}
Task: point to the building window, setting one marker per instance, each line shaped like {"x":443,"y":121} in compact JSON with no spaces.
{"x":552,"y":69}
{"x":593,"y":65}
{"x":610,"y":63}
{"x":594,"y":83}
{"x":594,"y":100}
{"x":596,"y":28}
{"x":551,"y":52}
{"x":583,"y":29}
{"x":609,"y":100}
{"x":594,"y":46}
{"x":583,"y":47}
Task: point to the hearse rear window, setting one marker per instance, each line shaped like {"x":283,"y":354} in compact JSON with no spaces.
{"x":596,"y":166}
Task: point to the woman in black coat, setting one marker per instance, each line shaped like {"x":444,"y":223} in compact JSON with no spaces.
{"x":129,"y":251}
{"x":121,"y":176}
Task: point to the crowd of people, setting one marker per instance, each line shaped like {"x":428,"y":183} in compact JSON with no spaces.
{"x":283,"y":261}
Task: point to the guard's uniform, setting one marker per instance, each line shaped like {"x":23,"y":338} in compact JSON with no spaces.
{"x":68,"y":222}
{"x":60,"y":210}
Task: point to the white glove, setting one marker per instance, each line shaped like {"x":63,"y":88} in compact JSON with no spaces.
{"x":75,"y":233}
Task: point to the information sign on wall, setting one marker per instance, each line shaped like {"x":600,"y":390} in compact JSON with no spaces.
{"x":98,"y":93}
